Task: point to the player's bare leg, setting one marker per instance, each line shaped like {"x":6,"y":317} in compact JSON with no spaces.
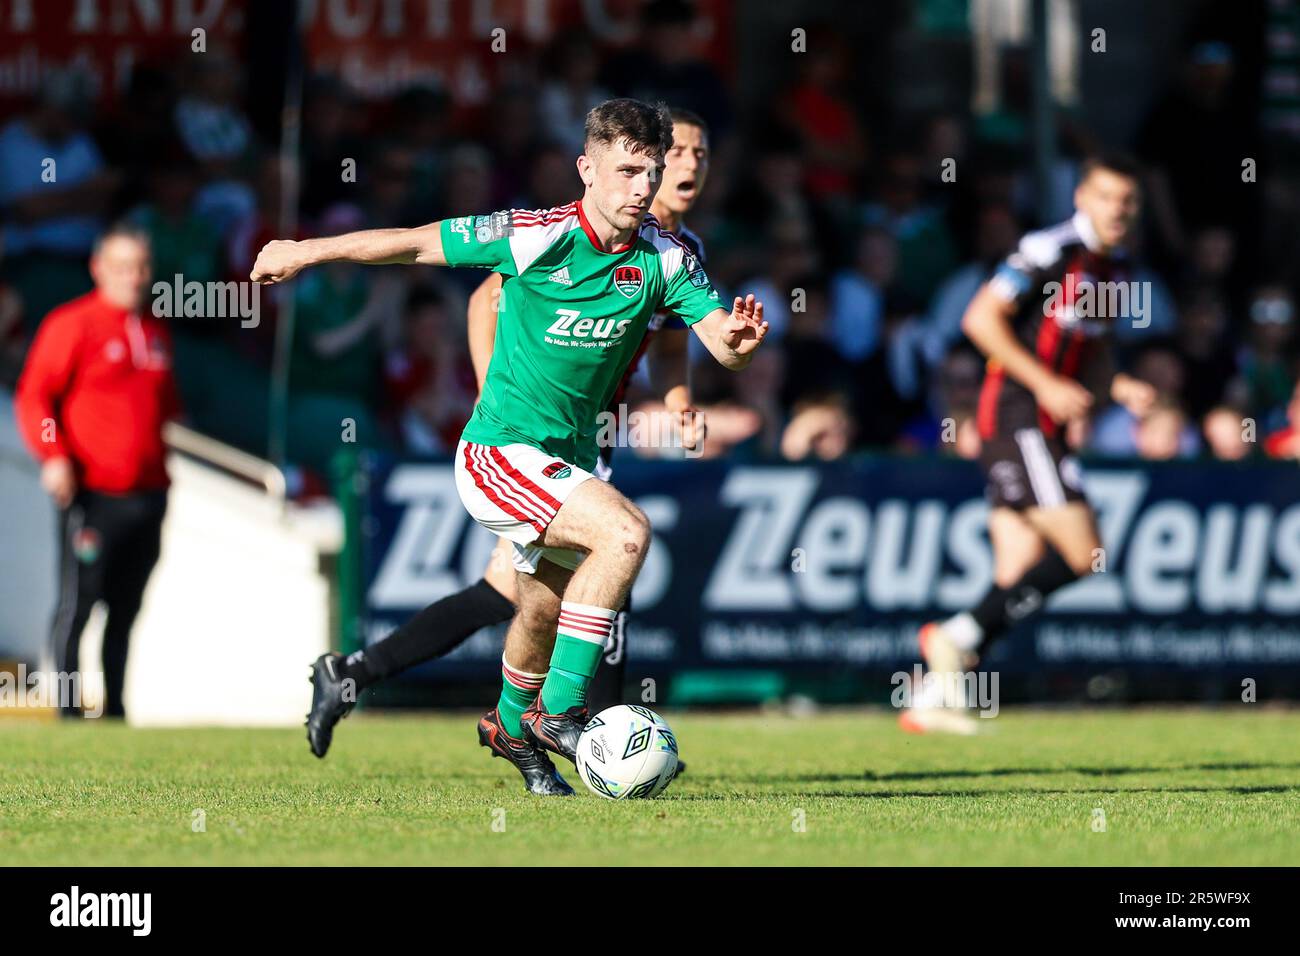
{"x":500,"y":571}
{"x":1036,"y":552}
{"x":615,"y":535}
{"x":523,"y":671}
{"x":1072,"y":530}
{"x":1017,"y":546}
{"x":432,"y":633}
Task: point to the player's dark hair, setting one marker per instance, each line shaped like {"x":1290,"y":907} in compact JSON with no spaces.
{"x":645,"y":127}
{"x":690,"y":118}
{"x":1114,"y":162}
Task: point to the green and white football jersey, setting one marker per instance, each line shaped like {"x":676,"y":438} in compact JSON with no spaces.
{"x":570,"y":319}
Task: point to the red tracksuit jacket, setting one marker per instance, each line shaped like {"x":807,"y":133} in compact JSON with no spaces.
{"x":103,"y":375}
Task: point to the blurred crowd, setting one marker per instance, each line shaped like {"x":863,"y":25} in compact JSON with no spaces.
{"x":863,"y":250}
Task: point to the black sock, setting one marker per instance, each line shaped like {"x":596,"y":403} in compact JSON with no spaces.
{"x":437,"y":630}
{"x":1003,"y":608}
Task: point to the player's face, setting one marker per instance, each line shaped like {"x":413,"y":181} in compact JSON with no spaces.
{"x":686,"y":167}
{"x":1111,"y":201}
{"x":622,"y":183}
{"x":121,"y":271}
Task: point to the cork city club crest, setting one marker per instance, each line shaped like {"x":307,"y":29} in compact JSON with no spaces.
{"x":628,"y":280}
{"x":557,"y":469}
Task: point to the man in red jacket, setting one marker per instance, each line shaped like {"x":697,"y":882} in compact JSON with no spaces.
{"x":94,"y":394}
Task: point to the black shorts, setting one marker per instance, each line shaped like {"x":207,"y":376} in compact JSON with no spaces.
{"x":1027,"y":469}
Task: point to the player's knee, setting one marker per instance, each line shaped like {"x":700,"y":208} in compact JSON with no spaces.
{"x":633,"y":536}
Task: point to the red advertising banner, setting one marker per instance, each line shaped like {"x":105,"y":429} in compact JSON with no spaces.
{"x":103,"y":39}
{"x":379,"y":46}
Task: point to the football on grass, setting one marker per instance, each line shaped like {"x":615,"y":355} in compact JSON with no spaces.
{"x":626,"y":753}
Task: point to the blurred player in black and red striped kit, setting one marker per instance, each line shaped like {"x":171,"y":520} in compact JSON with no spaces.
{"x":446,"y":624}
{"x":1040,"y":321}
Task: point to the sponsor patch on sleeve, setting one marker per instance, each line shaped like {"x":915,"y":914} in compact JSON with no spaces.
{"x":493,"y":227}
{"x":460,"y":225}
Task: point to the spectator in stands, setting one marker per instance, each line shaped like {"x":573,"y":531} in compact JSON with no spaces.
{"x":1226,"y":430}
{"x":1198,"y":135}
{"x":337,"y":338}
{"x":926,"y":250}
{"x":54,"y":195}
{"x":1164,"y":433}
{"x":183,"y":242}
{"x":213,"y":128}
{"x":1285,"y":442}
{"x":666,"y":65}
{"x":954,"y":396}
{"x":820,"y":427}
{"x":1267,"y":362}
{"x":1118,"y":432}
{"x":790,"y":255}
{"x":428,"y":378}
{"x":552,"y":180}
{"x":858,"y":295}
{"x":331,"y":133}
{"x":820,"y":110}
{"x":996,"y":235}
{"x":1204,"y":350}
{"x":421,"y":117}
{"x":571,"y":90}
{"x":91,"y":404}
{"x":813,"y":361}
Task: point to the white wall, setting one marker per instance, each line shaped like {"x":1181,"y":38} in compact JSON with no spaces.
{"x":236,"y":610}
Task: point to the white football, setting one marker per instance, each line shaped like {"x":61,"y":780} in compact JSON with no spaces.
{"x":626,"y":753}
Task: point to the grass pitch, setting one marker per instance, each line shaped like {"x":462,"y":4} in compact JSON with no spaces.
{"x":1173,"y":787}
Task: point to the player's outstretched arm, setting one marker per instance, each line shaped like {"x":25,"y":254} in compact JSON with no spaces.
{"x":988,"y":324}
{"x":733,"y":336}
{"x":282,"y":259}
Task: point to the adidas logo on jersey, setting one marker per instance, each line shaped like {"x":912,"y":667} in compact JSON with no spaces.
{"x":560,"y":275}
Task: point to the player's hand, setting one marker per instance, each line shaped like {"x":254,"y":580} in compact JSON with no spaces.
{"x":279,"y":261}
{"x":1063,"y":398}
{"x":694,"y":427}
{"x":744,"y":329}
{"x":59,"y":480}
{"x":1133,"y":393}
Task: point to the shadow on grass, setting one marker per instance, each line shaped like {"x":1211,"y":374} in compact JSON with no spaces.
{"x":872,"y":776}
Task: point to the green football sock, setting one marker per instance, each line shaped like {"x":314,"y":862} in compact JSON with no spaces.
{"x":583,"y":630}
{"x":518,"y":690}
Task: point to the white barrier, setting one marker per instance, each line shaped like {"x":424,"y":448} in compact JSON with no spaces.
{"x":236,"y":610}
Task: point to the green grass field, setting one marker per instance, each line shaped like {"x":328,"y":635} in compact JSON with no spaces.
{"x":1198,"y":787}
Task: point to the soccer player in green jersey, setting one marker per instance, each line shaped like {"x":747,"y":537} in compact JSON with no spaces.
{"x":581,"y":284}
{"x":448,"y":622}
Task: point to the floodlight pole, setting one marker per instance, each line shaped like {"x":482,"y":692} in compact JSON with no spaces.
{"x":290,"y":188}
{"x":1044,"y":120}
